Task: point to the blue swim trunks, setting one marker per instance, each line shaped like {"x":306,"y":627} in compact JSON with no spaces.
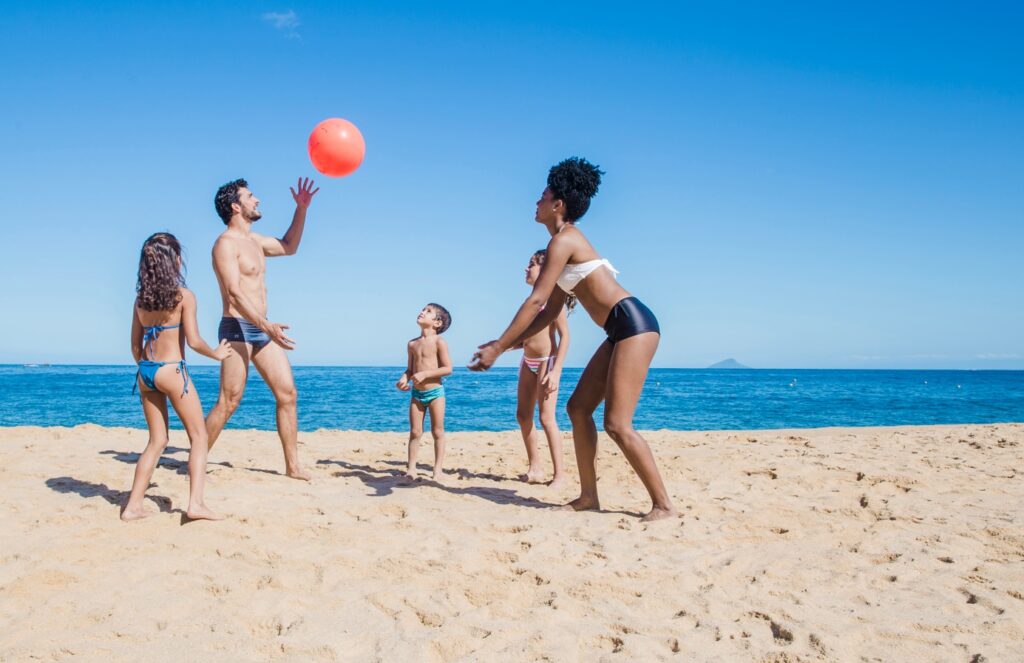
{"x":429,"y":395}
{"x":241,"y":330}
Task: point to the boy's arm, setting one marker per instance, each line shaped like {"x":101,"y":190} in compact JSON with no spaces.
{"x":136,"y":335}
{"x":191,"y":329}
{"x":403,"y":382}
{"x":289,"y":244}
{"x":444,"y":364}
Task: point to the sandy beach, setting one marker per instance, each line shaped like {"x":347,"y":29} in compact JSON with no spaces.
{"x":857,"y":544}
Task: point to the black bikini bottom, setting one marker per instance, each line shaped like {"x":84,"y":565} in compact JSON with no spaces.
{"x":628,"y":318}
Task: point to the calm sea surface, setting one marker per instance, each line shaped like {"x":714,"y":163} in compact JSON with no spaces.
{"x":364,"y":398}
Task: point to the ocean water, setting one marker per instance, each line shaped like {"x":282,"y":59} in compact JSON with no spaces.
{"x":364,"y":398}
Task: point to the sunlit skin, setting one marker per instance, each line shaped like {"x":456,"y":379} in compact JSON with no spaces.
{"x":428,"y":362}
{"x":615,"y":374}
{"x":539,"y":391}
{"x":239,"y":261}
{"x":169,"y":347}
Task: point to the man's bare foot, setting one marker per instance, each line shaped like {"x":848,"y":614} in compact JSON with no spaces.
{"x":558,"y":482}
{"x":533,"y":476}
{"x":135,"y":514}
{"x":299,"y":473}
{"x":659,"y":513}
{"x":582,"y":504}
{"x":201,"y":512}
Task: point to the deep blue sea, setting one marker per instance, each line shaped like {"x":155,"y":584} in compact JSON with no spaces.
{"x":364,"y":398}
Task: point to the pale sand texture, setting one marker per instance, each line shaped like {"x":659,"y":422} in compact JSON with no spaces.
{"x":893,"y":544}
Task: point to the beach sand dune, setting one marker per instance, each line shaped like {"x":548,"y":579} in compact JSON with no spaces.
{"x":891,"y":544}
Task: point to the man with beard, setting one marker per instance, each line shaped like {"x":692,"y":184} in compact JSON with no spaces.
{"x":239,"y":260}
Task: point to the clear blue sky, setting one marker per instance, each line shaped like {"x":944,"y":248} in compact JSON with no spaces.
{"x":806,"y":186}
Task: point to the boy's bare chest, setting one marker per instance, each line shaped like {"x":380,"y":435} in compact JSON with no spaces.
{"x":424,"y":351}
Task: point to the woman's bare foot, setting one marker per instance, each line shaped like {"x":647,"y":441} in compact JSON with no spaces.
{"x":137,"y":513}
{"x":659,"y":513}
{"x":533,"y":476}
{"x":582,"y":504}
{"x":201,"y":512}
{"x":558,"y":482}
{"x":299,"y":473}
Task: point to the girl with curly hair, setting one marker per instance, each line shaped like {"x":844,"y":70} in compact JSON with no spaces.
{"x":163,"y":319}
{"x":617,"y":371}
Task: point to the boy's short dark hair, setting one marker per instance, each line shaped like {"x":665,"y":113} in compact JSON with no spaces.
{"x":443,"y":315}
{"x":226,"y":196}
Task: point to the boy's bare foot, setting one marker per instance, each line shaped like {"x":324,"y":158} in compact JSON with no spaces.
{"x":439,"y":476}
{"x":533,"y":476}
{"x":558,"y":482}
{"x":659,"y":513}
{"x":135,"y":514}
{"x":299,"y":473}
{"x":409,"y":477}
{"x":582,"y":504}
{"x":201,"y":512}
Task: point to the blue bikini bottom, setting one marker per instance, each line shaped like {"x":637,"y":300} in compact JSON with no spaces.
{"x":148,"y":369}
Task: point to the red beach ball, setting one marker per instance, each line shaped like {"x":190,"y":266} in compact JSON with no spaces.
{"x":336,"y":147}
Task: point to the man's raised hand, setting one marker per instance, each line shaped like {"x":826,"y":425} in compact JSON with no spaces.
{"x":304,"y":196}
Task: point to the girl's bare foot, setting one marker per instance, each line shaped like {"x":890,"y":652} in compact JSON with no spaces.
{"x":299,"y":473}
{"x":659,"y":513}
{"x":137,"y":513}
{"x":558,"y":482}
{"x":533,"y":476}
{"x":582,"y":504}
{"x":201,"y":512}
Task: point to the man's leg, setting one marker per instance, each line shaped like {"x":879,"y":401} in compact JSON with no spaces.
{"x":234,"y":371}
{"x":272,"y":363}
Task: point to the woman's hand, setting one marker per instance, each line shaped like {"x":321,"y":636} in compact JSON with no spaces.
{"x":485,"y":357}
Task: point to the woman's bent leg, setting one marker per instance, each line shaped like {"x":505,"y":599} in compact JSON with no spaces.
{"x":585,"y":398}
{"x":627,"y":371}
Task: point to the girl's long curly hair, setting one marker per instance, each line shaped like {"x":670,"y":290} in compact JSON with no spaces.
{"x":160,"y":273}
{"x":541,"y":257}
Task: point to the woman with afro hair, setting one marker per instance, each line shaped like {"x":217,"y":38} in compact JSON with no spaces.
{"x":617,"y":371}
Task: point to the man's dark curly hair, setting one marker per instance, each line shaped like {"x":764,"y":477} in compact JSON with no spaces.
{"x":226,"y":195}
{"x":574,"y":182}
{"x":160,"y":276}
{"x":443,"y":315}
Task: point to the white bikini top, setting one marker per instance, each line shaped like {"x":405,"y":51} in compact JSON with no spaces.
{"x":573,"y":274}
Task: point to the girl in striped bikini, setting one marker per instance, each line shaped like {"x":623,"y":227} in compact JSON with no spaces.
{"x":539,"y":373}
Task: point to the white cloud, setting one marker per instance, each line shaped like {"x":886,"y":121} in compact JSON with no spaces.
{"x":285,"y":21}
{"x":996,"y":355}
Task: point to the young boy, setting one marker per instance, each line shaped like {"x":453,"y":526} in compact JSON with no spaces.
{"x":428,"y":363}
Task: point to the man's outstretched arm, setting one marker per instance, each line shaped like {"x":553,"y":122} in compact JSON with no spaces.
{"x":289,"y":244}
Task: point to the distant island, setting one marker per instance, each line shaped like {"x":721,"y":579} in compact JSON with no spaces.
{"x":728,"y":363}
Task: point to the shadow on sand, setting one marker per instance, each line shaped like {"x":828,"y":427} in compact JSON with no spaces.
{"x":384,"y":481}
{"x":88,"y":489}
